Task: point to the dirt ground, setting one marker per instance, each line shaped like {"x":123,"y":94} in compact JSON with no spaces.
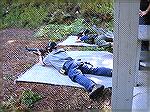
{"x":14,"y":61}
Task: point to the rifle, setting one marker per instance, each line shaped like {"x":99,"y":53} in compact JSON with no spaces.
{"x":35,"y":51}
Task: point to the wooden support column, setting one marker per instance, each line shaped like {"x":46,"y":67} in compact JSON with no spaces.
{"x":125,"y":53}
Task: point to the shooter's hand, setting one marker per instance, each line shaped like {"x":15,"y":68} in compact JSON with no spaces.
{"x":38,"y":52}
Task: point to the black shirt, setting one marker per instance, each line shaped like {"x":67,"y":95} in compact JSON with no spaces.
{"x":143,"y":6}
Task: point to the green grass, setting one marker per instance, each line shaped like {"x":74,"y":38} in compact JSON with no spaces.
{"x":59,"y":31}
{"x":29,"y":98}
{"x":109,"y":49}
{"x":31,"y":14}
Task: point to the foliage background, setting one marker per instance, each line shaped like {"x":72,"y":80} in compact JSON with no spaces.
{"x":34,"y":13}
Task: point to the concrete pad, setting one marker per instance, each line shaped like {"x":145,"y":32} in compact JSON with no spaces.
{"x":141,"y":94}
{"x":49,"y":75}
{"x":71,"y":41}
{"x":140,"y":102}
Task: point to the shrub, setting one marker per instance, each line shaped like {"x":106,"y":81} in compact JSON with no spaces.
{"x":58,"y":32}
{"x":32,"y":13}
{"x":32,"y":17}
{"x":29,"y":98}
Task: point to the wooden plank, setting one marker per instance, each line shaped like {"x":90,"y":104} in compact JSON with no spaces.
{"x":125,"y":54}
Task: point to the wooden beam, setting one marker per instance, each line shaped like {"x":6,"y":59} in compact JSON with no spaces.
{"x":125,"y":53}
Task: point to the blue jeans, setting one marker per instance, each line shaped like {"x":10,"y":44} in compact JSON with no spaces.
{"x":77,"y":69}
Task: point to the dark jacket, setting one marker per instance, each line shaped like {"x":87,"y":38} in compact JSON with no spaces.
{"x":145,"y":20}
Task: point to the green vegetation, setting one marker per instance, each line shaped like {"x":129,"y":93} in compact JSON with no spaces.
{"x":22,"y":16}
{"x":24,"y":103}
{"x":36,"y":13}
{"x":58,"y":32}
{"x":109,"y":49}
{"x":56,"y":19}
{"x":29,"y":98}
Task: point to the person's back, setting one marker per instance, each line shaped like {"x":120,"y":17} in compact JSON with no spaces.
{"x":57,"y":58}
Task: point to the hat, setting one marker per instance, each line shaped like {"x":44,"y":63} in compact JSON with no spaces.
{"x":52,"y":45}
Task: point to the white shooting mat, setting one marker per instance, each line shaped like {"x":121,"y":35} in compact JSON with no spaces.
{"x":71,"y":41}
{"x":49,"y":75}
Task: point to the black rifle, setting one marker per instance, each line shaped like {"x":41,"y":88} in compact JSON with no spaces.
{"x":35,"y":51}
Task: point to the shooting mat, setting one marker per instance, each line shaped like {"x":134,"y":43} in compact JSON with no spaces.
{"x":71,"y":41}
{"x":49,"y":75}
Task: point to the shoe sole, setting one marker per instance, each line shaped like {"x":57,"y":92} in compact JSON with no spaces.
{"x":97,"y":93}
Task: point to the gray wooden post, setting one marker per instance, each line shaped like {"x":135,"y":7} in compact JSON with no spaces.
{"x":126,"y":21}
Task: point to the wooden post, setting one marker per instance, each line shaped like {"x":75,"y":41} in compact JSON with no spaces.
{"x":126,"y":21}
